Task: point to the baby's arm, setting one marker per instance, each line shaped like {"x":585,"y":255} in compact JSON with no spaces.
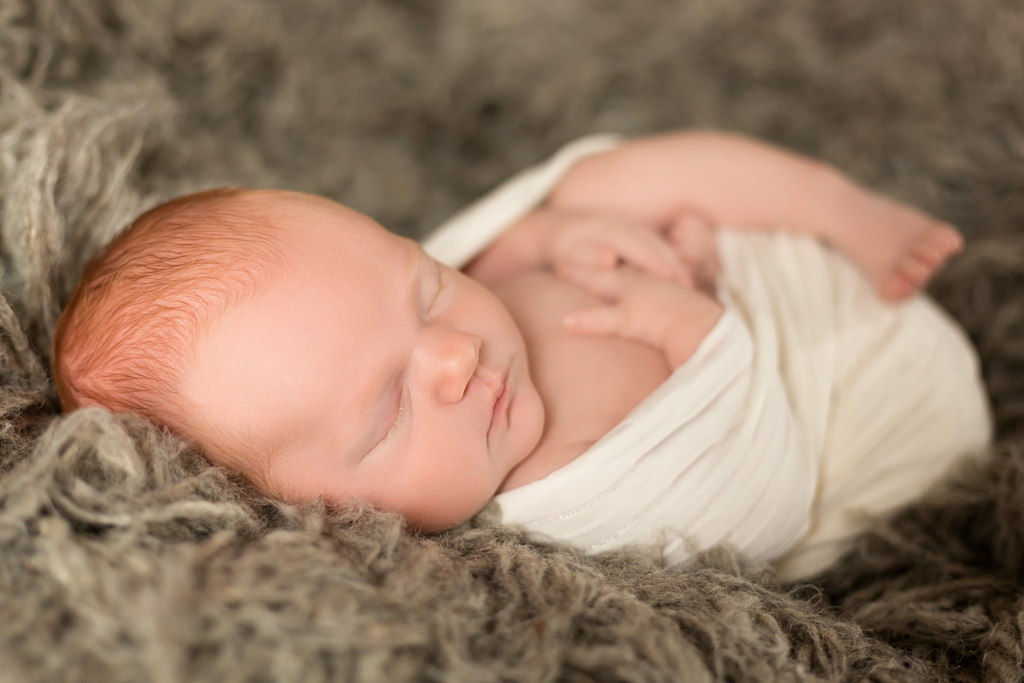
{"x":550,"y":237}
{"x":747,"y":184}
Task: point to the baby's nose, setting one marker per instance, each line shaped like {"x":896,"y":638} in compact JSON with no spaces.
{"x":457,"y":359}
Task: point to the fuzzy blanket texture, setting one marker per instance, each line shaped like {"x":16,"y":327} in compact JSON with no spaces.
{"x":124,"y":556}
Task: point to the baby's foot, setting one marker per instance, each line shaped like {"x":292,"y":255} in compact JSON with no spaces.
{"x":923,"y":254}
{"x":900,"y":248}
{"x":694,"y":241}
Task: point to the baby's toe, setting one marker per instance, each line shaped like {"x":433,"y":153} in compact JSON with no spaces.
{"x":930,"y":254}
{"x":906,"y":288}
{"x":896,"y":287}
{"x":906,"y":277}
{"x":951,"y":237}
{"x":911,"y":272}
{"x":913,"y":269}
{"x":940,"y":243}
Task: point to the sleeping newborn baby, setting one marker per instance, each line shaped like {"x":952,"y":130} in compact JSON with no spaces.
{"x":579,"y":342}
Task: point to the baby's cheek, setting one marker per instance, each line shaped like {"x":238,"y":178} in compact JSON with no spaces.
{"x":441,"y":502}
{"x":302,"y":477}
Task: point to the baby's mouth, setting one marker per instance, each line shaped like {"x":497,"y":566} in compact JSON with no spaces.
{"x":500,"y":405}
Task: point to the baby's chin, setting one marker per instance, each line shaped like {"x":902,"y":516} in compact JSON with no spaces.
{"x":533,"y":413}
{"x":441,"y":513}
{"x":436,"y":525}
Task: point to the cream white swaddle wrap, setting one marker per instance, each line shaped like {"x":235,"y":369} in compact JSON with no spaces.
{"x":810,"y":403}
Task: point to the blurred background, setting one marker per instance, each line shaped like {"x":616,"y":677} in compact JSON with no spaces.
{"x":407,"y":109}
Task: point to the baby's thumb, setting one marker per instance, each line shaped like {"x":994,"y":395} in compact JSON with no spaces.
{"x":597,"y":321}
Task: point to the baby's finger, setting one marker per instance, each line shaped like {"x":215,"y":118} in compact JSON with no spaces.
{"x":604,"y":284}
{"x":693,"y":239}
{"x":651,"y":253}
{"x":599,"y":321}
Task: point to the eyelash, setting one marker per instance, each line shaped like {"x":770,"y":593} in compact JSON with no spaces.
{"x":394,"y":425}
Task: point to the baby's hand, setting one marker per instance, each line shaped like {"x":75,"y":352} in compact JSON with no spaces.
{"x":694,"y":242}
{"x":604,"y":241}
{"x":639,"y":307}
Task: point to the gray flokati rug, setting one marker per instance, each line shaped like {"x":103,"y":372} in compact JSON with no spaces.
{"x":125,"y":557}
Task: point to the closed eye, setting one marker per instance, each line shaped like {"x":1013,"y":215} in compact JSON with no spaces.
{"x":395,"y":424}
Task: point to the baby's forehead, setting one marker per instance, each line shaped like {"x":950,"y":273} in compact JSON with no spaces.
{"x":282,"y":204}
{"x":301,"y":218}
{"x":262,"y":224}
{"x":311,"y":239}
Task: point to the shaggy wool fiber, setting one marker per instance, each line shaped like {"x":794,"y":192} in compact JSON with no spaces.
{"x":124,"y":556}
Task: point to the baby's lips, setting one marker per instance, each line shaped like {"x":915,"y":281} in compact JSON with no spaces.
{"x":497,"y":406}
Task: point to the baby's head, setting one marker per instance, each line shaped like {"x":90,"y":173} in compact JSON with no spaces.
{"x":299,"y":342}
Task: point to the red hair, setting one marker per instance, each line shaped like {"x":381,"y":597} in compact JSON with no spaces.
{"x":131,"y":327}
